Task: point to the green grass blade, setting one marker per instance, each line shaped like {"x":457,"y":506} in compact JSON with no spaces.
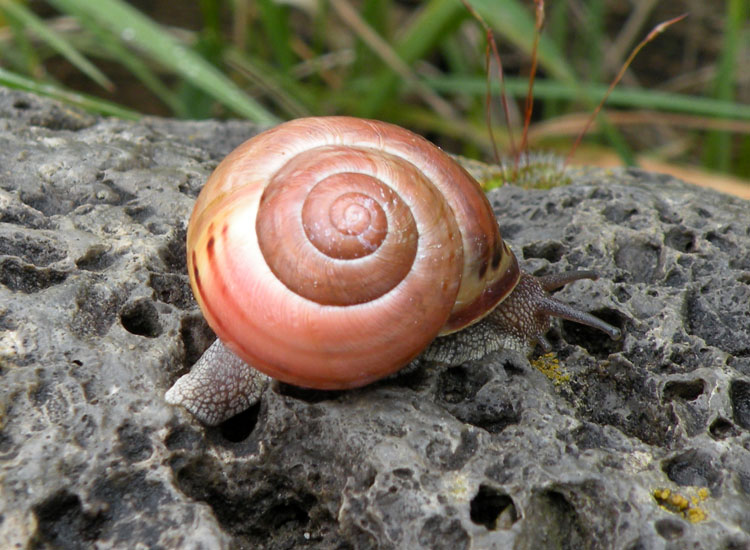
{"x":624,"y":97}
{"x":276,"y":22}
{"x":595,"y":38}
{"x":718,"y":153}
{"x":89,"y":103}
{"x":136,"y":29}
{"x":110,"y":48}
{"x":22,"y":56}
{"x":31,"y":21}
{"x":434,"y":20}
{"x":376,"y":13}
{"x":137,"y":67}
{"x":558,"y":29}
{"x":294,"y":99}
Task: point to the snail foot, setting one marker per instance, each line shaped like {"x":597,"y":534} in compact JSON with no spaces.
{"x":219,"y":386}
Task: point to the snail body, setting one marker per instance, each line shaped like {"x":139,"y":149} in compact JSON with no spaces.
{"x":330,"y":252}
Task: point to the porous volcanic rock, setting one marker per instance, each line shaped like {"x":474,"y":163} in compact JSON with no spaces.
{"x":638,"y":444}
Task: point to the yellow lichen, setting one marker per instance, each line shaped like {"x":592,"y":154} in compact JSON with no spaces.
{"x":549,"y":365}
{"x":694,"y":515}
{"x":685,"y":506}
{"x":679,"y":502}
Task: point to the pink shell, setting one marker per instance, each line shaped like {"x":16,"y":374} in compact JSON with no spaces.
{"x":414,"y":250}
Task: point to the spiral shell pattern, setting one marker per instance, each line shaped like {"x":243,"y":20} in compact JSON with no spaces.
{"x":329,"y":252}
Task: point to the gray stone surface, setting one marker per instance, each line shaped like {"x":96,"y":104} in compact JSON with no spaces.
{"x":97,"y":321}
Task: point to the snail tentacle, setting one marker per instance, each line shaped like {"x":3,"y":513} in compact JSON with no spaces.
{"x":518,"y":322}
{"x":553,"y":281}
{"x":526,"y":313}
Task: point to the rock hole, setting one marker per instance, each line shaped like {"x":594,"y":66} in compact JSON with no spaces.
{"x":139,"y":212}
{"x":28,"y":279}
{"x":551,"y":521}
{"x":265,"y":504}
{"x":675,"y":278}
{"x":240,"y":426}
{"x":21,"y":105}
{"x":172,"y":288}
{"x":134,"y":443}
{"x":8,"y":449}
{"x":692,"y":467}
{"x":680,"y":239}
{"x":509,"y":230}
{"x":196,"y":337}
{"x":515,"y":366}
{"x":622,"y":294}
{"x":460,"y":383}
{"x":183,"y":437}
{"x":415,"y":376}
{"x":444,"y":456}
{"x":308,"y":395}
{"x":688,"y":390}
{"x":735,"y":543}
{"x":403,"y":473}
{"x":670,"y":529}
{"x":639,"y":259}
{"x":493,"y":509}
{"x":288,"y":513}
{"x":637,"y":544}
{"x":62,"y":523}
{"x":492,"y":417}
{"x":16,"y":213}
{"x":590,"y":436}
{"x":173,"y":253}
{"x":141,"y":318}
{"x":721,"y":428}
{"x":739,"y":394}
{"x":703,"y":213}
{"x":593,"y":340}
{"x":618,"y":214}
{"x":668,"y":215}
{"x":439,"y":533}
{"x":600,"y":193}
{"x":721,"y":242}
{"x":31,"y":249}
{"x":95,"y":259}
{"x":550,"y":251}
{"x":97,"y":307}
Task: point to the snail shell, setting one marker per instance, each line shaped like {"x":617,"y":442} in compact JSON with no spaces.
{"x":329,"y":252}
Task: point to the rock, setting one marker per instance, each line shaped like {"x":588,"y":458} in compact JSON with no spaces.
{"x":637,"y":444}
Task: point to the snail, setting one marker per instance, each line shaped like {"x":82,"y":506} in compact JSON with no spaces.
{"x":330,"y":252}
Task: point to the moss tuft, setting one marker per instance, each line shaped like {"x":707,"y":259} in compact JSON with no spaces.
{"x":532,"y":171}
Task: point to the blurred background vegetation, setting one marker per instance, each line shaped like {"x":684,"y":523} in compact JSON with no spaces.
{"x":683,"y":105}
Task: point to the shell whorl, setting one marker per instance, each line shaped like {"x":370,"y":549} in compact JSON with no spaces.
{"x":328,"y":252}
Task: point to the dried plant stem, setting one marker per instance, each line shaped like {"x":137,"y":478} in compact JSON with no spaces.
{"x":657,"y":30}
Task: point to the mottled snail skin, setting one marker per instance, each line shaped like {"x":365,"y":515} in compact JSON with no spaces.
{"x":330,"y":252}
